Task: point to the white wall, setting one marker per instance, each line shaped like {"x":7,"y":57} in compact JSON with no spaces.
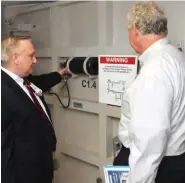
{"x":86,"y":29}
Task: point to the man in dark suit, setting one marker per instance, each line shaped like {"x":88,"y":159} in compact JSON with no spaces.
{"x":28,"y":138}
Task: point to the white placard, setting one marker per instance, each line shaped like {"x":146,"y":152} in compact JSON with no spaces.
{"x":116,"y":73}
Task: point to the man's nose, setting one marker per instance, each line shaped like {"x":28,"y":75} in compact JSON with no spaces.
{"x":34,"y":60}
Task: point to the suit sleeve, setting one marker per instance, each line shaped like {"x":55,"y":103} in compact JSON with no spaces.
{"x":7,"y":143}
{"x":46,"y":81}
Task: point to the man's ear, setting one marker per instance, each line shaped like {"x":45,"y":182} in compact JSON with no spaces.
{"x":137,"y":33}
{"x":14,"y":58}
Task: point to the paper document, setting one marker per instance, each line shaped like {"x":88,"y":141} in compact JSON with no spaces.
{"x":116,"y":174}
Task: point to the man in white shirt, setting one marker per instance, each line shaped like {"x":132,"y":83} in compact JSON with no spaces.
{"x":152,"y":124}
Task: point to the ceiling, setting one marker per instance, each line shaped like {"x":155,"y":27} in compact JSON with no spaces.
{"x":13,"y":3}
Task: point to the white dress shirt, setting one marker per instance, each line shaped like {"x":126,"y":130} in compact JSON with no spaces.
{"x":152,"y":120}
{"x":19,"y":81}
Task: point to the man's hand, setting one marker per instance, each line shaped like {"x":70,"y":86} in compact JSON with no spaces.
{"x":62,"y":71}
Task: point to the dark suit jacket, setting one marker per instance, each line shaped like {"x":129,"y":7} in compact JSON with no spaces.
{"x":27,"y":139}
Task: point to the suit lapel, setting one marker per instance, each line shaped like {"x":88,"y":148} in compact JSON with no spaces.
{"x":24,"y":98}
{"x":45,"y":105}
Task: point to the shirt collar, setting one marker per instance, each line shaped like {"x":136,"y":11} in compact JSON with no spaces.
{"x":151,"y":50}
{"x":14,"y":76}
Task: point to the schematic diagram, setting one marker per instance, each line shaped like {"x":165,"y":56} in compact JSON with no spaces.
{"x":116,"y":87}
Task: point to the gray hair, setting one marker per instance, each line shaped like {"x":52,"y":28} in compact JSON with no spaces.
{"x":148,"y":18}
{"x":8,"y":44}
